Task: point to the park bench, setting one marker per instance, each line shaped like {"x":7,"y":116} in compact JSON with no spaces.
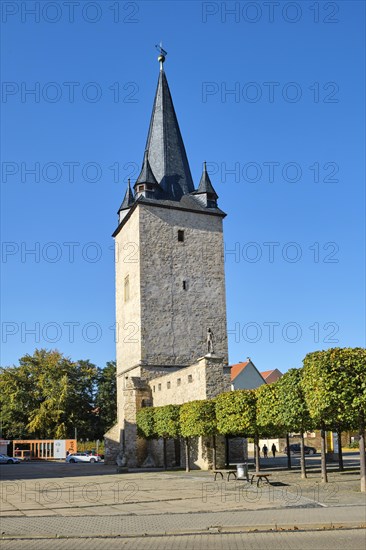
{"x":230,"y":472}
{"x":222,"y":472}
{"x":260,"y":478}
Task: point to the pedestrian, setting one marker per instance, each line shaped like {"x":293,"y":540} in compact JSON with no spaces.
{"x":265,"y":451}
{"x":274,"y":450}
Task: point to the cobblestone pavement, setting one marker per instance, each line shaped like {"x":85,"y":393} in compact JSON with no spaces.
{"x":309,"y":540}
{"x":53,"y":500}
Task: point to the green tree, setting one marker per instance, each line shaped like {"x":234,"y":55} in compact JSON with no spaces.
{"x":236,"y":415}
{"x":268,"y":407}
{"x":334,"y":383}
{"x":47,"y":396}
{"x":167,"y":425}
{"x":145,"y":421}
{"x":106,"y":397}
{"x":293,"y":413}
{"x":198,"y":418}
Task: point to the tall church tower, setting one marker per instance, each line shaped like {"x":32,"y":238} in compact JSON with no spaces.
{"x":170,"y":282}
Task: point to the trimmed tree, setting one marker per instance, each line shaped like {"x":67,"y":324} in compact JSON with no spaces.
{"x":145,"y":421}
{"x":293,"y":413}
{"x":349,"y":364}
{"x":198,"y":418}
{"x":167,"y":425}
{"x":334,"y":383}
{"x":236,"y":415}
{"x":268,"y":407}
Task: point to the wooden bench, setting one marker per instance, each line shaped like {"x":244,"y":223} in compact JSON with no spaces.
{"x":260,"y":478}
{"x":222,"y":472}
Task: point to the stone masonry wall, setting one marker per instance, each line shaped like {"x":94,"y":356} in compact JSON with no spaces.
{"x":203,"y":380}
{"x":182,"y":286}
{"x":128,"y":313}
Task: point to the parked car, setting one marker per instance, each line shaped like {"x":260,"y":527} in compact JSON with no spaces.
{"x":5,"y":459}
{"x":94,"y":453}
{"x":295,"y":449}
{"x":82,"y":457}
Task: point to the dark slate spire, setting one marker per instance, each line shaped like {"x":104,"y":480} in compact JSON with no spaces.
{"x":167,"y":155}
{"x":128,"y":199}
{"x":205,"y":193}
{"x":205,"y":185}
{"x":146,"y":174}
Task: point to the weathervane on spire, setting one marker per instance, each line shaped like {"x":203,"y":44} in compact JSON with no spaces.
{"x":162,"y":53}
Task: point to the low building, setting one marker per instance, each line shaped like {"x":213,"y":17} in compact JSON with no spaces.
{"x":271,"y":376}
{"x":246,"y":376}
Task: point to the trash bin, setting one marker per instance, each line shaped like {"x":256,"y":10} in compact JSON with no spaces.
{"x":242,"y":471}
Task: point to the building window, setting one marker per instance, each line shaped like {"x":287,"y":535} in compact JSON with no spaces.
{"x":180,"y":235}
{"x":184,"y":285}
{"x":153,"y":388}
{"x":127,"y":288}
{"x":168,"y":385}
{"x":159,"y":387}
{"x":141,"y":188}
{"x":178,"y":381}
{"x":190,"y":378}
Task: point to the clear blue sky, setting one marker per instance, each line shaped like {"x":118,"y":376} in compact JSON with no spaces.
{"x":292,"y":132}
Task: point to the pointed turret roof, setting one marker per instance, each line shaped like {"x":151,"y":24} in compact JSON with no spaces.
{"x":146,"y":174}
{"x":167,"y":155}
{"x":128,"y":198}
{"x":205,"y":185}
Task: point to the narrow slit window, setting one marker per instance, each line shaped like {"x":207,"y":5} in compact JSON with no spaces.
{"x":190,"y":378}
{"x":184,"y":285}
{"x":127,"y":288}
{"x":180,"y":235}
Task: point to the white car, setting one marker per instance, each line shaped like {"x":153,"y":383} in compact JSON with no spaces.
{"x":82,"y":457}
{"x":5,"y":459}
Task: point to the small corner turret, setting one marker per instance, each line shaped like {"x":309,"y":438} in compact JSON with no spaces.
{"x":205,"y":193}
{"x":126,"y":203}
{"x":146,"y":184}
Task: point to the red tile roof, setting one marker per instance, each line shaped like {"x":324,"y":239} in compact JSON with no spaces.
{"x":271,"y":375}
{"x":266,"y":373}
{"x":235,"y":369}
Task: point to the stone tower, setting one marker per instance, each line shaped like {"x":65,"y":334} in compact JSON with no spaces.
{"x":170,"y":282}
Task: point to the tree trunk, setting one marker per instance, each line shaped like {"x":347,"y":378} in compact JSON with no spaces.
{"x":186,"y":441}
{"x":214,"y":452}
{"x":288,"y":452}
{"x":323,"y":458}
{"x":302,"y":457}
{"x":362,"y":453}
{"x":339,"y":450}
{"x":227,"y":458}
{"x":164,"y":454}
{"x":256,"y":453}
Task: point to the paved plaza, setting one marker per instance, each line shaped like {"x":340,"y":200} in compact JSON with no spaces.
{"x":43,"y":501}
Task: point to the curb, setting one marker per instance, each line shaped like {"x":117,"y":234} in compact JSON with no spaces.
{"x":214,"y":529}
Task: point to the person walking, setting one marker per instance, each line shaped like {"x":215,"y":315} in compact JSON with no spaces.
{"x":274,"y":450}
{"x":265,"y":451}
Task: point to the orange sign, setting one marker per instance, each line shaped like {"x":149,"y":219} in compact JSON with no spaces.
{"x":71,"y":445}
